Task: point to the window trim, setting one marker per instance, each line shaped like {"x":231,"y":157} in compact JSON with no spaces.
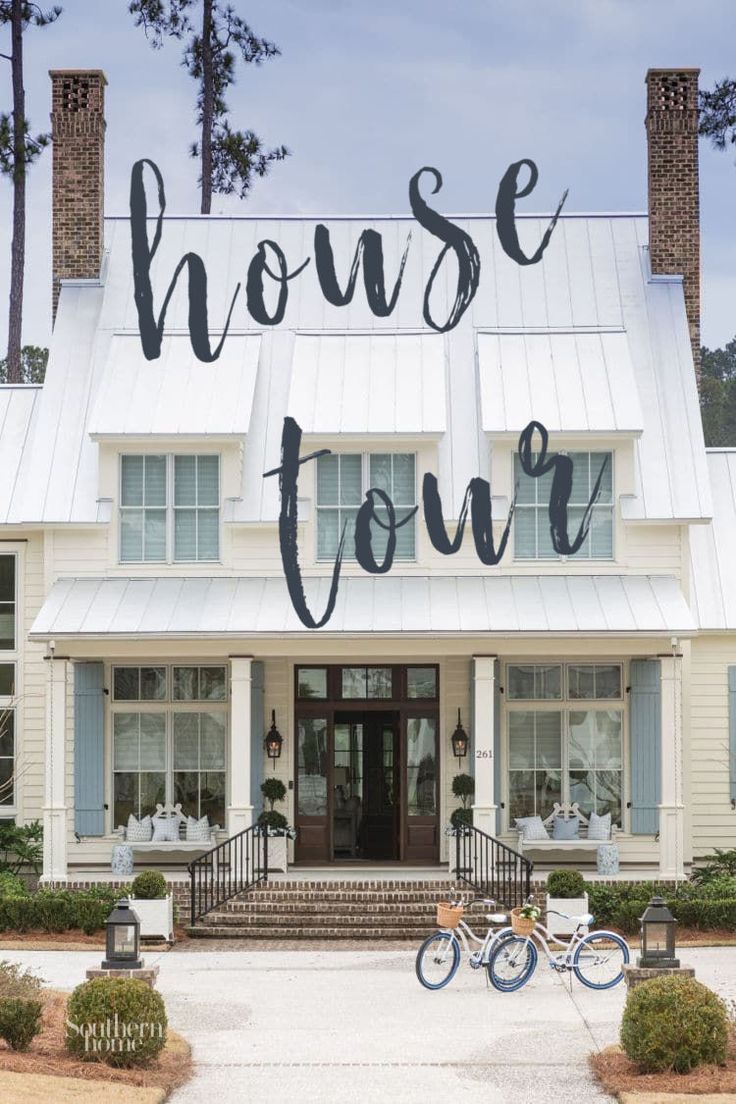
{"x":365,"y":458}
{"x":170,"y":509}
{"x":564,"y":706}
{"x":577,"y":558}
{"x":15,"y":656}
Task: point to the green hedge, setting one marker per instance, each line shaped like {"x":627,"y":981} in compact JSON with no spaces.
{"x":59,"y":910}
{"x":705,"y":915}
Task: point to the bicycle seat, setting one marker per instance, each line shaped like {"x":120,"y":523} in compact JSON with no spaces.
{"x":497,"y":918}
{"x":586,"y":919}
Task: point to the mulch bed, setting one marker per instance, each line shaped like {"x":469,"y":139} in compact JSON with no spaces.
{"x":617,"y":1074}
{"x":48,"y":1054}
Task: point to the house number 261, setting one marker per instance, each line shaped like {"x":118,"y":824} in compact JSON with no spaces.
{"x":483,"y":753}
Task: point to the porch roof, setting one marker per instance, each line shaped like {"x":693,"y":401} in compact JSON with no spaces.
{"x":366,"y":605}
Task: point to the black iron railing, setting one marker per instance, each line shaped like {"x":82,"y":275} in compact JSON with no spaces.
{"x":491,"y":868}
{"x":237,"y":864}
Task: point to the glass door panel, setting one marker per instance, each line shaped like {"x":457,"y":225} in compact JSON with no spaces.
{"x":421,"y":789}
{"x":312,"y":823}
{"x":347,"y":786}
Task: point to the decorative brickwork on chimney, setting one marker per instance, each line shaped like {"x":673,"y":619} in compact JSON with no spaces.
{"x":78,"y":133}
{"x":674,"y":208}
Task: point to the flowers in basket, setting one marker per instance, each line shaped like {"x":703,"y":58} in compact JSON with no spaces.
{"x":530,"y":912}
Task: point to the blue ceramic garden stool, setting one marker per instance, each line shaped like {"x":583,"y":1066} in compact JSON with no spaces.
{"x":122,"y":859}
{"x":608,"y":858}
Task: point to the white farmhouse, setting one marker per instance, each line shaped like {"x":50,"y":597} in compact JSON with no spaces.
{"x":149,"y":640}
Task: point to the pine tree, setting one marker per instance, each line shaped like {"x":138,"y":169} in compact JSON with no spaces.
{"x":718,"y":114}
{"x":229,"y":159}
{"x":18,"y":150}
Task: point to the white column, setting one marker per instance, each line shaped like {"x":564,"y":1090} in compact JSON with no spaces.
{"x":484,"y":680}
{"x":240,"y":809}
{"x":54,"y":807}
{"x":672,"y":808}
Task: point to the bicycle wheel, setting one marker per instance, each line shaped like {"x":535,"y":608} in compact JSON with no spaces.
{"x":437,"y":960}
{"x":599,"y":960}
{"x":512,"y":963}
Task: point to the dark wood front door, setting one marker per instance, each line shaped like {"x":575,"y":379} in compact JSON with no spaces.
{"x":367,"y":782}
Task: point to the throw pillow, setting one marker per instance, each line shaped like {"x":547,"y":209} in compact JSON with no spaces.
{"x":198,"y":831}
{"x":566,"y":828}
{"x":139,"y":831}
{"x":532,"y":828}
{"x":165,"y":829}
{"x":599,"y":827}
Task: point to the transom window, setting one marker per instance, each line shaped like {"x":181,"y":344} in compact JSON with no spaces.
{"x":532,"y":540}
{"x":166,"y":746}
{"x":558,"y":751}
{"x":169,"y":508}
{"x":363,"y":682}
{"x":342,"y":482}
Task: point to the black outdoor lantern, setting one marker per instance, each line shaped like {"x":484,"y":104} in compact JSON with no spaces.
{"x":274,"y":739}
{"x":123,"y":939}
{"x":459,"y":740}
{"x":658,"y":936}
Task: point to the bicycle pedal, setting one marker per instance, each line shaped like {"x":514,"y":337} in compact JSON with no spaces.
{"x":475,"y":963}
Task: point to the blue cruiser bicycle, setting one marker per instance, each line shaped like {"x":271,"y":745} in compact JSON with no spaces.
{"x":596,"y":958}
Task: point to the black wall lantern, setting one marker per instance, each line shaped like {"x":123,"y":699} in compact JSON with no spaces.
{"x":123,"y":939}
{"x":274,"y":739}
{"x":459,"y":740}
{"x":657,"y":927}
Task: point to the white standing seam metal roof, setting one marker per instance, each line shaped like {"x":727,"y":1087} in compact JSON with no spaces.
{"x":17,"y":404}
{"x":368,"y":383}
{"x":125,"y":607}
{"x":594,"y":275}
{"x":571,"y":382}
{"x":177,"y":393}
{"x":712,"y":549}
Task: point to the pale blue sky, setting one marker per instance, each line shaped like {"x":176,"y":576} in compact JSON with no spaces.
{"x":367,"y":92}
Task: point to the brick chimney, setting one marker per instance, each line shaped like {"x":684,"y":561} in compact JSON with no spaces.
{"x":78,"y":134}
{"x":674,"y":207}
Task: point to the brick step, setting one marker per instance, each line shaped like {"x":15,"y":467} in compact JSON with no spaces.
{"x":329,"y":908}
{"x":366,"y":899}
{"x":356,"y":886}
{"x":334,"y":920}
{"x":307,"y":933}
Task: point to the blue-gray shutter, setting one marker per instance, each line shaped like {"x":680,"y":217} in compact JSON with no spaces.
{"x":89,"y":749}
{"x":732,"y":730}
{"x":646,"y":745}
{"x":497,"y":743}
{"x":257,"y":733}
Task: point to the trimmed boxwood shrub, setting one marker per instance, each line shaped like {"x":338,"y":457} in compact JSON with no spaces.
{"x":272,"y":819}
{"x":149,"y":885}
{"x":566,"y":884}
{"x":18,"y":983}
{"x":673,"y":1023}
{"x":58,"y":910}
{"x":95,"y":1002}
{"x":461,"y":818}
{"x":20,"y":1021}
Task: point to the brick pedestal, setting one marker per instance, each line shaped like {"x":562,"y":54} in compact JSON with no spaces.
{"x":146,"y":973}
{"x":635,"y":975}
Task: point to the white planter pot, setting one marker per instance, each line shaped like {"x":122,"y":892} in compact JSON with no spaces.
{"x":278,"y":854}
{"x":156,"y":917}
{"x":572,"y":906}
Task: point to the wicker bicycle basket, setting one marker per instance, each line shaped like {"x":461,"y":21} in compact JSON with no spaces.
{"x":521,"y":925}
{"x":448,"y":916}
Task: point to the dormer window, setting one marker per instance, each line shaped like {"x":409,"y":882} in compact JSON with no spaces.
{"x":169,"y":508}
{"x":532,"y":539}
{"x":342,"y":482}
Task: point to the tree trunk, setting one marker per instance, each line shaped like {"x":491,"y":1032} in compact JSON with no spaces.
{"x":18,"y":246}
{"x":208,"y":106}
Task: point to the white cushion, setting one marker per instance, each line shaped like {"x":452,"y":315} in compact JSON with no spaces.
{"x":165,"y":829}
{"x":599,"y":827}
{"x":532,"y":828}
{"x":198,"y":831}
{"x":138,"y":831}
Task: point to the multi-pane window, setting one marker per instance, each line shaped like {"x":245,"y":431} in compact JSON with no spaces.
{"x":169,"y":740}
{"x":342,"y":482}
{"x":532,"y":540}
{"x":8,"y":643}
{"x":559,"y":749}
{"x":169,"y":508}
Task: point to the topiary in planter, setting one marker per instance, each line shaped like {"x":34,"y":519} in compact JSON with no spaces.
{"x":149,"y":885}
{"x":272,"y":819}
{"x":20,"y":1021}
{"x":674,"y":1023}
{"x":461,"y":818}
{"x":565,"y":884}
{"x":273,"y":789}
{"x":463,"y":786}
{"x":141,"y":1022}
